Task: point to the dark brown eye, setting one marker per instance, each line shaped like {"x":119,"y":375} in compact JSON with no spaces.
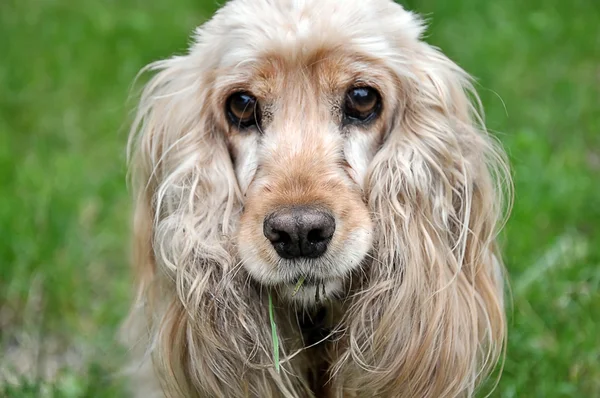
{"x":362,"y":104}
{"x":242,"y":109}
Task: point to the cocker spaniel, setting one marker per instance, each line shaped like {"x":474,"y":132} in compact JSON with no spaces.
{"x":317,"y":203}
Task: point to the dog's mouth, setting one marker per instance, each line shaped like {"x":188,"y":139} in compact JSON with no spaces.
{"x":312,"y":289}
{"x":307,"y":281}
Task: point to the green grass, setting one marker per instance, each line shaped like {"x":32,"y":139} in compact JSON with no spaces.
{"x":65,"y":72}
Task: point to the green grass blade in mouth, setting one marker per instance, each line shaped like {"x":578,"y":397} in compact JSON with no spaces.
{"x":298,"y":285}
{"x":274,"y":335}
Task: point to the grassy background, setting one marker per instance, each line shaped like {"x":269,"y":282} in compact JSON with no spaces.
{"x":65,"y":71}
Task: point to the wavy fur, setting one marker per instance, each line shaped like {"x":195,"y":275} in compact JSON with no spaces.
{"x":424,"y":314}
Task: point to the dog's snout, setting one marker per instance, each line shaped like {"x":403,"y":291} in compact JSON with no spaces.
{"x":300,"y":231}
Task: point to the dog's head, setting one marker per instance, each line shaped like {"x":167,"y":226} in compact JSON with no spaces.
{"x":321,"y":141}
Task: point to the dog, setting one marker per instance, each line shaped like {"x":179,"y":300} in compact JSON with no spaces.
{"x":317,"y":204}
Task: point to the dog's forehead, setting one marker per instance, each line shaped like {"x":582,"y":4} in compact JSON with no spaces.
{"x":322,"y":72}
{"x":245,"y":29}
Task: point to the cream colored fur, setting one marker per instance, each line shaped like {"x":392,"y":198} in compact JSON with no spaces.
{"x":415,"y":306}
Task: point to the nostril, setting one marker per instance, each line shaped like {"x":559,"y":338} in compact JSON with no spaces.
{"x":281,"y":230}
{"x":317,"y":235}
{"x":280,"y":237}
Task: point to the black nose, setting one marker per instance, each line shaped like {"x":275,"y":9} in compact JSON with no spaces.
{"x":300,"y":231}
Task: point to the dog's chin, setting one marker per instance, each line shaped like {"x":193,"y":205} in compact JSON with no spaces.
{"x":301,"y":283}
{"x":306,"y":291}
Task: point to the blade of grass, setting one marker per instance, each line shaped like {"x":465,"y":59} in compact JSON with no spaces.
{"x":298,"y":285}
{"x":274,"y":335}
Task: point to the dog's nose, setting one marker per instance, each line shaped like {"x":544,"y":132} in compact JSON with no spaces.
{"x":300,"y":231}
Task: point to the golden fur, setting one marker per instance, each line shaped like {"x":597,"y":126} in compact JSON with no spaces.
{"x":414,"y":307}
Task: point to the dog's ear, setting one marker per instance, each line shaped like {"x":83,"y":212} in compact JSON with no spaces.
{"x":180,"y":168}
{"x":185,"y":193}
{"x":430,"y":321}
{"x":186,"y":197}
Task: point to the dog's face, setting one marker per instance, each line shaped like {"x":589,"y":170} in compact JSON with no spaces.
{"x":303,"y":117}
{"x":302,"y":133}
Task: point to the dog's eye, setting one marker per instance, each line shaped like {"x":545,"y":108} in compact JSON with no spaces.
{"x":362,"y":104}
{"x":242,"y":109}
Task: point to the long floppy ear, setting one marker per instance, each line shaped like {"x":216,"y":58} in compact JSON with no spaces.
{"x":430,"y":321}
{"x":206,"y":329}
{"x":185,"y":193}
